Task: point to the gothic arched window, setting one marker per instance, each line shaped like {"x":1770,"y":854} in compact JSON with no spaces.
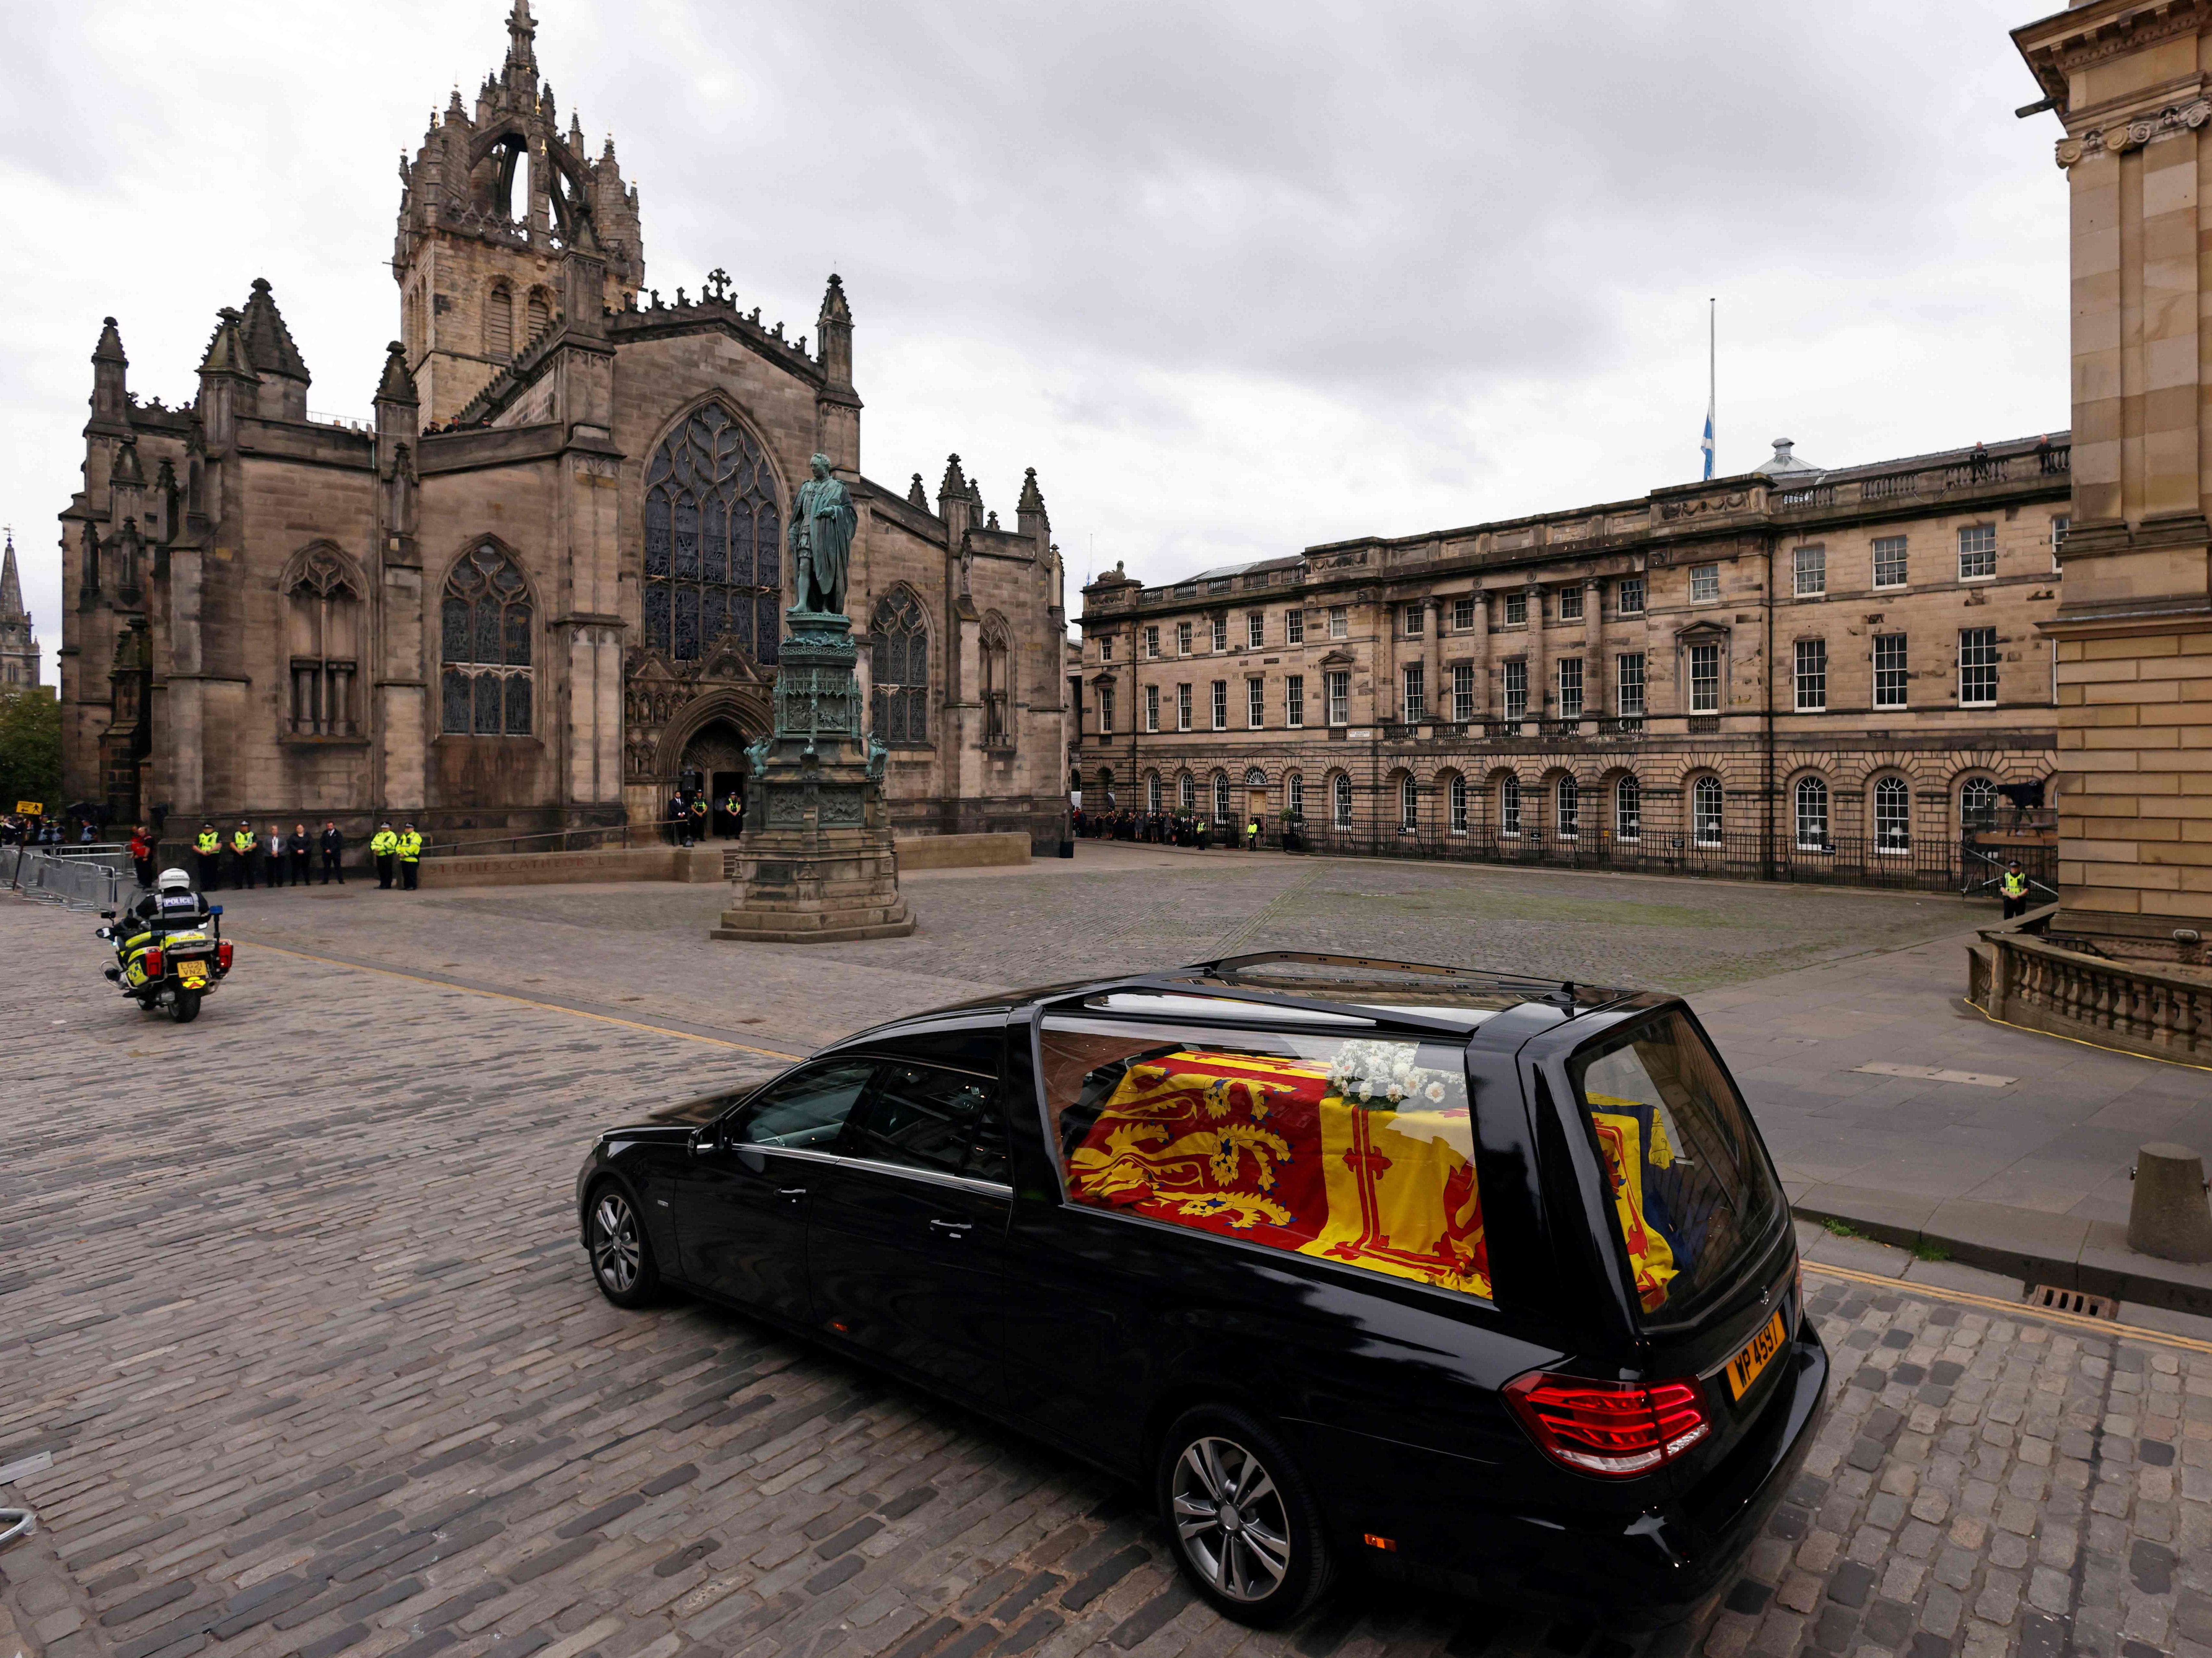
{"x":486,"y":634}
{"x":997,"y":664}
{"x":323,"y":629}
{"x":541,"y":314}
{"x":499,"y":324}
{"x":713,"y":555}
{"x":898,"y":664}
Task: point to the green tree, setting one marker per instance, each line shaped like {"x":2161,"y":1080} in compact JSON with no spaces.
{"x":30,"y":747}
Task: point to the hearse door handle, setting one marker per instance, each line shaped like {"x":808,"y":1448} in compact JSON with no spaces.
{"x":955,"y":1229}
{"x":794,"y":1192}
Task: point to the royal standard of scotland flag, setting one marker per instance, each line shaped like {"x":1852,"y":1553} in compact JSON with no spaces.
{"x":1706,"y":442}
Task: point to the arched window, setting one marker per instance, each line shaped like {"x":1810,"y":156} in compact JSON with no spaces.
{"x":1186,"y":794}
{"x":996,"y":657}
{"x":1340,"y":800}
{"x":1810,"y":799}
{"x":1153,"y":792}
{"x":1628,"y":808}
{"x":1294,"y":794}
{"x":1409,"y":805}
{"x":1705,"y":811}
{"x":1978,"y":804}
{"x":1457,"y":795}
{"x":1221,"y":797}
{"x":1509,"y":806}
{"x":1568,"y":796}
{"x":898,"y":664}
{"x":322,"y":622}
{"x":1893,"y":816}
{"x":499,"y":324}
{"x":541,"y":314}
{"x":714,"y":553}
{"x":1255,"y":778}
{"x":486,"y":631}
{"x":1105,"y":777}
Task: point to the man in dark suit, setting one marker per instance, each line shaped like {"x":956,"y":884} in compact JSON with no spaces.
{"x":333,"y":844}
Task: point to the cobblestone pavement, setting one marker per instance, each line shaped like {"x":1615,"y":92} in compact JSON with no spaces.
{"x":292,"y":1300}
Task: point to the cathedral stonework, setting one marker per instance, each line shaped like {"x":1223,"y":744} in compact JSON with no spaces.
{"x":549,"y":578}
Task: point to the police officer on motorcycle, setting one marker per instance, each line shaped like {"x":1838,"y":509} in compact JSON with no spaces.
{"x":172,"y":904}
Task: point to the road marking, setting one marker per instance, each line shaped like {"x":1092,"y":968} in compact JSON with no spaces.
{"x":2079,"y":1041}
{"x":2013,"y":1308}
{"x":1935,"y":1073}
{"x":526,"y":1001}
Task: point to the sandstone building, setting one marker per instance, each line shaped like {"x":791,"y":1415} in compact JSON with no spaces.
{"x":19,"y":645}
{"x":548,"y":579}
{"x":1816,"y":674}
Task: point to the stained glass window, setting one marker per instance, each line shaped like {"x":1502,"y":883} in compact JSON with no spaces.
{"x":899,"y":666}
{"x":485,"y":624}
{"x":714,"y":542}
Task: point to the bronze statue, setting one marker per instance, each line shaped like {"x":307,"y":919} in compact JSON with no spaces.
{"x":821,"y":537}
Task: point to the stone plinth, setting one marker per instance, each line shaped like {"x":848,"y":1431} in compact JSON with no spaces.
{"x":816,"y":864}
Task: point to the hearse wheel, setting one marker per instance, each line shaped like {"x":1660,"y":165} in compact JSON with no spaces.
{"x":1246,"y":1529}
{"x":622,"y":1254}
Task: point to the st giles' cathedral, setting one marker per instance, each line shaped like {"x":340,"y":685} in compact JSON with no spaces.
{"x":548,"y":579}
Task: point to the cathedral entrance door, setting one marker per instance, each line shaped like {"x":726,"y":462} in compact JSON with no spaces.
{"x":717,"y":752}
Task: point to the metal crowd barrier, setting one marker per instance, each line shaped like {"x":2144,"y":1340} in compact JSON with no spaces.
{"x":73,"y":883}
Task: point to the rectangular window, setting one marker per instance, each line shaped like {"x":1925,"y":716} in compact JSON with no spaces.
{"x":1812,"y":675}
{"x":1978,"y":552}
{"x":1152,"y":640}
{"x":1123,"y":1100}
{"x":1704,"y":679}
{"x":1221,"y":704}
{"x":1339,"y":622}
{"x":1629,"y":696}
{"x":1808,"y":567}
{"x":1182,"y":707}
{"x":1152,"y":707}
{"x":1978,"y":667}
{"x":1337,"y":683}
{"x":1182,"y":639}
{"x":1255,"y":630}
{"x":1463,"y":613}
{"x":1570,"y":688}
{"x":1410,"y":620}
{"x":1256,"y":704}
{"x":1516,"y":610}
{"x":1631,"y":595}
{"x":2059,"y":527}
{"x":1889,"y":561}
{"x":1294,"y":700}
{"x":1105,"y":710}
{"x":1417,"y":695}
{"x":1516,"y":688}
{"x":1704,"y":583}
{"x":1571,"y":604}
{"x":1463,"y":692}
{"x":1105,"y":650}
{"x":1889,"y":671}
{"x":1294,"y":627}
{"x":1221,"y":633}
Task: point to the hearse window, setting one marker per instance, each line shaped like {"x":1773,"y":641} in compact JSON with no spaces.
{"x":946,"y":1121}
{"x":806,"y":1110}
{"x":1356,"y":1149}
{"x":1693,"y":1193}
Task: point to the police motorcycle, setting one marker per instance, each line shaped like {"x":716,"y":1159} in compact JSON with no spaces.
{"x":169,"y":948}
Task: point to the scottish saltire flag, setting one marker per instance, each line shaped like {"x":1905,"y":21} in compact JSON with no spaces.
{"x":1705,"y":443}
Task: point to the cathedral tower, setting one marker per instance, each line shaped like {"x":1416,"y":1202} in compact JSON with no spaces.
{"x":19,"y":645}
{"x":486,"y":208}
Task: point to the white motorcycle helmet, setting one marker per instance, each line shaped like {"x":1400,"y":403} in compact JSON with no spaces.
{"x":173,"y":880}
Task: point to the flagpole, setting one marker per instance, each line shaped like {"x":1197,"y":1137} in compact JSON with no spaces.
{"x":1713,"y":380}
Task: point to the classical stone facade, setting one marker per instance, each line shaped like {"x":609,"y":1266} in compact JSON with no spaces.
{"x":548,"y":579}
{"x":2132,"y":82}
{"x":1819,"y":673}
{"x":19,"y":645}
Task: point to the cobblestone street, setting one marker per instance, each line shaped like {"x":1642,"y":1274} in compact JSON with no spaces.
{"x":292,"y":1300}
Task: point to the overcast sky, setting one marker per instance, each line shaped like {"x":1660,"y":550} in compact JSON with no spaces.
{"x":1236,"y":278}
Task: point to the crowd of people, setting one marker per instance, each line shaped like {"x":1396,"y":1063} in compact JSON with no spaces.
{"x":694,"y":814}
{"x":247,"y":857}
{"x":45,"y":832}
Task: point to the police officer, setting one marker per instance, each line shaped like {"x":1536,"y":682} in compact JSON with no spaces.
{"x":411,"y":856}
{"x":207,"y":852}
{"x":701,"y":812}
{"x":383,"y":846}
{"x":733,"y":809}
{"x":333,"y":843}
{"x":2014,"y":884}
{"x":242,"y":847}
{"x":303,"y":855}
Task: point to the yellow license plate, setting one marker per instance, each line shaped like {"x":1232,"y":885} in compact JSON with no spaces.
{"x":1755,"y":1356}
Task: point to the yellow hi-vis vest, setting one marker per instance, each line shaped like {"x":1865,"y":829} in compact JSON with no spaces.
{"x":384,"y":843}
{"x":2015,"y":886}
{"x":241,"y":841}
{"x":208,"y":842}
{"x":410,"y":847}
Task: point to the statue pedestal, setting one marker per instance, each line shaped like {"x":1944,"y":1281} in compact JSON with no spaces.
{"x":816,"y":864}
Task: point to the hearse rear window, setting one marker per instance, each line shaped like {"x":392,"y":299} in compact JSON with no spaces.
{"x":1356,"y":1149}
{"x":1692,"y":1191}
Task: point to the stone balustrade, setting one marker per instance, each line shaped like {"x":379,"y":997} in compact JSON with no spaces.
{"x":2138,"y":1007}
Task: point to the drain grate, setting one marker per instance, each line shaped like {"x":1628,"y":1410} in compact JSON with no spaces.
{"x":2050,"y":1296}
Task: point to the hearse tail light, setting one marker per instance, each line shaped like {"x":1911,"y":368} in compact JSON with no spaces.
{"x":1614,"y":1430}
{"x":153,"y":962}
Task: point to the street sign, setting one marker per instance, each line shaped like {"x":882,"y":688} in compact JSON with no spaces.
{"x":31,"y":808}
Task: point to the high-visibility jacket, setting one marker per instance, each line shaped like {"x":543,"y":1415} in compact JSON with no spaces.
{"x":410,"y":847}
{"x":242,"y":841}
{"x":208,"y":842}
{"x":384,"y":843}
{"x":2013,"y":886}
